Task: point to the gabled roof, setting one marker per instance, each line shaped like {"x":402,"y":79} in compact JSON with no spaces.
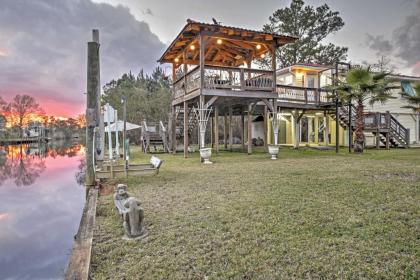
{"x":241,"y":44}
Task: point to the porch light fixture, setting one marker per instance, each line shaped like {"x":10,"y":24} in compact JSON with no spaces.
{"x":192,"y":47}
{"x":262,"y":55}
{"x":176,"y":60}
{"x":258,"y":47}
{"x":219,"y":41}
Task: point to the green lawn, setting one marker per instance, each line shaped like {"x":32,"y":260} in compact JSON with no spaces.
{"x":310,"y":214}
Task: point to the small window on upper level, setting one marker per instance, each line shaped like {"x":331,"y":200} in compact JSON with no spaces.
{"x":310,"y":80}
{"x":288,"y":80}
{"x":323,"y":80}
{"x":407,"y":88}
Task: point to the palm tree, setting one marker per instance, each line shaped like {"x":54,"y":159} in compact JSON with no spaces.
{"x":413,"y":100}
{"x":361,"y":86}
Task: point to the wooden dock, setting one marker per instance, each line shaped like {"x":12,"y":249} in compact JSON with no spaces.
{"x":79,"y":264}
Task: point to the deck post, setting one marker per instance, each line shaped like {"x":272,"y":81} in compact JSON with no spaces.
{"x":273,"y":65}
{"x":387,"y":140}
{"x":316,"y":129}
{"x":243,"y":131}
{"x":296,"y":129}
{"x":249,"y":128}
{"x":326,"y":129}
{"x":230,"y":128}
{"x":337,"y":126}
{"x":173,"y":129}
{"x":265,"y":127}
{"x":378,"y":140}
{"x":172,"y":137}
{"x":91,"y":105}
{"x":275,"y":122}
{"x":216,"y":129}
{"x":185,"y":129}
{"x":225,"y":131}
{"x":350,"y":126}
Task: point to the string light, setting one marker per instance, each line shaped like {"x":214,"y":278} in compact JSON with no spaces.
{"x":219,"y":41}
{"x":192,"y":47}
{"x":176,"y":60}
{"x":258,"y":47}
{"x":262,"y":55}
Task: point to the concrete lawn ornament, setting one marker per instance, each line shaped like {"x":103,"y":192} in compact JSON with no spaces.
{"x":131,"y":212}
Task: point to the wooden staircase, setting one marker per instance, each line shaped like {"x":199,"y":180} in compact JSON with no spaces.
{"x":385,"y":127}
{"x":154,"y":134}
{"x":192,"y":122}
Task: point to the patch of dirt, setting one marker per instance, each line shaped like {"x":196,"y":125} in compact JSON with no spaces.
{"x":412,"y":177}
{"x":105,"y":190}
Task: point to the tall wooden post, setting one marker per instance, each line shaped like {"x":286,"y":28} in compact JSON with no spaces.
{"x":230,"y":129}
{"x":185,"y":129}
{"x":225,"y":131}
{"x":91,"y":110}
{"x":100,"y":135}
{"x":216,"y":129}
{"x":250,"y":129}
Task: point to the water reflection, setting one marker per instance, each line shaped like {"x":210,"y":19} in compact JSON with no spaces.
{"x":24,"y":163}
{"x":41,"y":204}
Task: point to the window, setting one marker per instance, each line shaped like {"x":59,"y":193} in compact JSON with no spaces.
{"x":323,"y":80}
{"x":310,"y":81}
{"x":407,"y":88}
{"x":288,"y":80}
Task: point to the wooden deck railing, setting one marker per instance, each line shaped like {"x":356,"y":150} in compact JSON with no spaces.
{"x":245,"y":79}
{"x":304,"y":95}
{"x":217,"y":77}
{"x":385,"y":121}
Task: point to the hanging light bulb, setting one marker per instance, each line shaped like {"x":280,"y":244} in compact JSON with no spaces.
{"x":192,"y":47}
{"x":258,"y":47}
{"x":219,"y":41}
{"x":262,"y":55}
{"x":176,"y":60}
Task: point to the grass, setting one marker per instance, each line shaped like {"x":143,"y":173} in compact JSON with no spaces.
{"x":310,"y":214}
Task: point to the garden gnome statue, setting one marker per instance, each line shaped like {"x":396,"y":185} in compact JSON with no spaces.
{"x":131,"y":212}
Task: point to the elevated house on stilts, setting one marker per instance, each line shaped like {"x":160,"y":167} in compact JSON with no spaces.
{"x":213,"y":75}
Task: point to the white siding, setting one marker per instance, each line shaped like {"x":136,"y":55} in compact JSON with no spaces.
{"x":405,"y":116}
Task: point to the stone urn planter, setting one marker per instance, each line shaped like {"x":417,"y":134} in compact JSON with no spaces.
{"x":205,"y":154}
{"x":273,"y":150}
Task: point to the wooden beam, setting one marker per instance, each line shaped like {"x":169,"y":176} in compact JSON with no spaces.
{"x":268,"y":104}
{"x":211,"y":102}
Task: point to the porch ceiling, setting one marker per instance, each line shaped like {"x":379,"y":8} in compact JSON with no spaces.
{"x":224,"y":45}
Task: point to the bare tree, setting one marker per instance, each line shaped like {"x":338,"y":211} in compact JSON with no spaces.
{"x":22,"y":107}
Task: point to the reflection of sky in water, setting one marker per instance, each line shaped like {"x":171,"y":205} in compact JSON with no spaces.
{"x":38,"y":220}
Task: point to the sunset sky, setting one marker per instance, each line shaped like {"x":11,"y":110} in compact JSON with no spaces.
{"x":43,"y":42}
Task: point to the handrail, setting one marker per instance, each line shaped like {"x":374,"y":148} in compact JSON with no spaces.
{"x":303,"y":94}
{"x":188,"y":73}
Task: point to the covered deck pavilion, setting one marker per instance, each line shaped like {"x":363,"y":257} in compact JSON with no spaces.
{"x":213,"y":73}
